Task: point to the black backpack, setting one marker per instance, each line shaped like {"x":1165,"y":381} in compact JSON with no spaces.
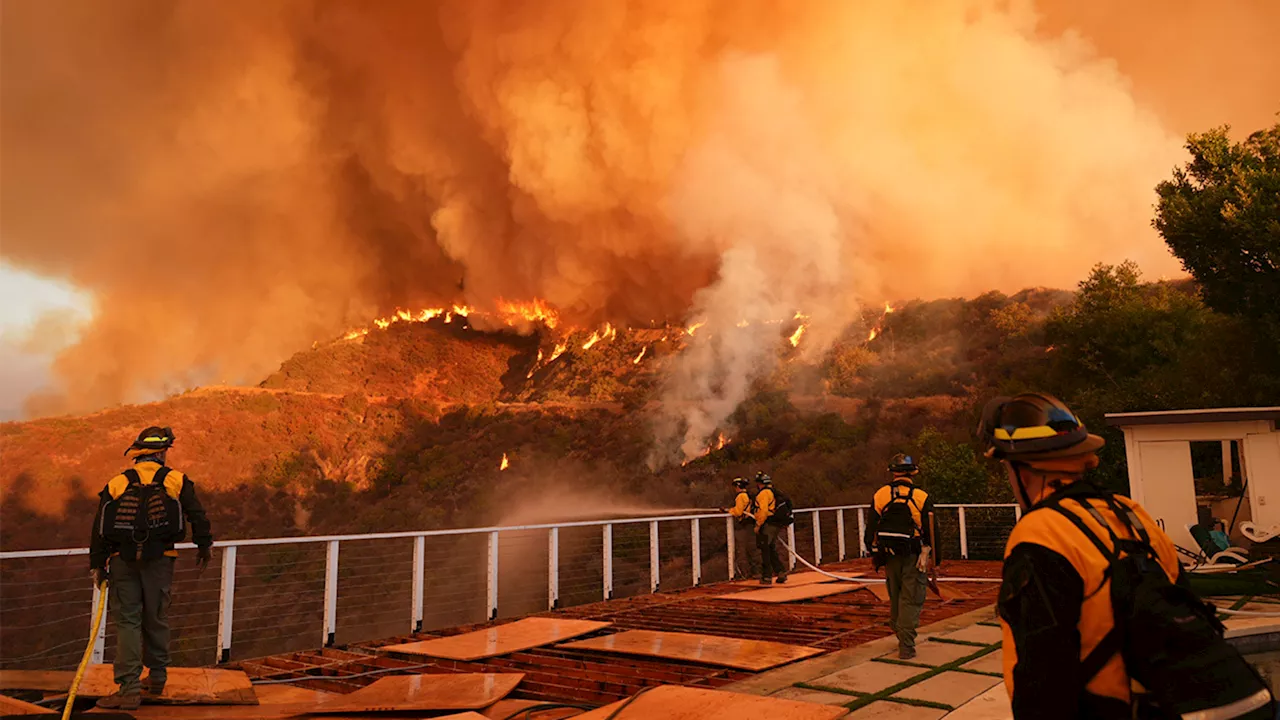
{"x":782,"y":515}
{"x":144,"y":520}
{"x":1171,"y":640}
{"x":896,"y":531}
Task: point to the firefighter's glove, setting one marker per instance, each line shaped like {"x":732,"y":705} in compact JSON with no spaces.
{"x":922,"y":564}
{"x":203,"y":556}
{"x":99,"y":576}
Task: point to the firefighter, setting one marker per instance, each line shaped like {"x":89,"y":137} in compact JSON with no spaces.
{"x":142,"y":512}
{"x":899,"y":538}
{"x":746,"y":558}
{"x":1062,"y":646}
{"x":769,"y":522}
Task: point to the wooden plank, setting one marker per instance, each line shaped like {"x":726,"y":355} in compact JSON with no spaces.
{"x":673,"y":702}
{"x":500,"y":640}
{"x":204,"y":686}
{"x":792,"y":594}
{"x":505,"y":709}
{"x":804,"y":578}
{"x":462,"y":691}
{"x":13,"y":706}
{"x":287,"y":694}
{"x":753,"y":655}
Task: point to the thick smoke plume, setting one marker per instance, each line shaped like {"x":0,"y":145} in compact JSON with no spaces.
{"x":234,"y":179}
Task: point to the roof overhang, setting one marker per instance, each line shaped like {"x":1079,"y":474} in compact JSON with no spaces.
{"x":1183,"y":417}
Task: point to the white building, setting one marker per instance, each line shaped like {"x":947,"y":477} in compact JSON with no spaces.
{"x":1158,"y":448}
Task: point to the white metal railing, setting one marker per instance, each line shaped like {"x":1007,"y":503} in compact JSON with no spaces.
{"x":811,"y":517}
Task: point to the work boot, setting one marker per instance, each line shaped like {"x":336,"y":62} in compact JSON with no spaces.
{"x":782,"y":579}
{"x":766,"y":581}
{"x":121,"y":701}
{"x":905,"y":652}
{"x":153,"y":686}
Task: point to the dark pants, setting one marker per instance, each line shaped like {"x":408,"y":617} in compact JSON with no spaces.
{"x":140,"y":607}
{"x":770,"y":565}
{"x":906,"y":596}
{"x":746,"y":555}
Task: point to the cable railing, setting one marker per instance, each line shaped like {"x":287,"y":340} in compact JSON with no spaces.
{"x":278,"y":595}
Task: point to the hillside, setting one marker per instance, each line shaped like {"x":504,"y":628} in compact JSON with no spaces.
{"x":406,"y":427}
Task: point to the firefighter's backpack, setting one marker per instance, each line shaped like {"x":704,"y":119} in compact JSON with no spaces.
{"x":144,"y":520}
{"x":897,"y":531}
{"x":782,"y":512}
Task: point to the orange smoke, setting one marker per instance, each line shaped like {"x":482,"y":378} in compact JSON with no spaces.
{"x":233,"y":180}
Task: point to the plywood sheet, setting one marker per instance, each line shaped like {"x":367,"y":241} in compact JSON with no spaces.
{"x":786,"y":594}
{"x":204,"y":686}
{"x":505,"y":709}
{"x":12,"y":706}
{"x":463,"y":691}
{"x":673,"y":702}
{"x":710,"y":649}
{"x":286,"y":694}
{"x":500,"y":640}
{"x":804,"y":578}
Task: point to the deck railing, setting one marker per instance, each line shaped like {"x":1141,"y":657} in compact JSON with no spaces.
{"x":289,"y":594}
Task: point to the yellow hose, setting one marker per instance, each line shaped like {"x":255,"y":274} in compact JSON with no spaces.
{"x":88,"y":650}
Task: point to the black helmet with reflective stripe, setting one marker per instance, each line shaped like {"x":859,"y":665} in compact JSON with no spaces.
{"x":1034,"y":426}
{"x":763,"y":479}
{"x":740,"y":483}
{"x":153,"y":438}
{"x":903,"y":465}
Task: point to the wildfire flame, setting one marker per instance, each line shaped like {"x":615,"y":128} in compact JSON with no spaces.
{"x":795,"y":336}
{"x":595,"y":338}
{"x":535,"y":311}
{"x":535,"y":365}
{"x":560,"y":348}
{"x":719,"y":443}
{"x":504,"y":464}
{"x":509,"y":313}
{"x":640,"y":357}
{"x":875,"y":331}
{"x":694,"y":327}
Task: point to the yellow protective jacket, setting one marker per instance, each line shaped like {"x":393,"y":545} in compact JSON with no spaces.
{"x":741,"y":507}
{"x":176,"y":485}
{"x":919,"y":504}
{"x":764,"y":506}
{"x":1055,"y":609}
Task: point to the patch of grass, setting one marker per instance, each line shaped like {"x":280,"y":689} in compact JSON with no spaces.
{"x":885,"y":693}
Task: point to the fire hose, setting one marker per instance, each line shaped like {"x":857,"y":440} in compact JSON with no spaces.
{"x":88,"y":650}
{"x":833,"y":576}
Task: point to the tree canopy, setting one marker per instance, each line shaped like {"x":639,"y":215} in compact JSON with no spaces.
{"x":1220,"y":214}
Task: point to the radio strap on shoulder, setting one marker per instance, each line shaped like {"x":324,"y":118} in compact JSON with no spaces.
{"x":132,"y":476}
{"x":160,"y":475}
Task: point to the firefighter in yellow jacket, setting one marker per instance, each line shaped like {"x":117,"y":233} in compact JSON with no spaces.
{"x":746,"y":557}
{"x":899,"y":538}
{"x":1062,"y":646}
{"x":142,"y":512}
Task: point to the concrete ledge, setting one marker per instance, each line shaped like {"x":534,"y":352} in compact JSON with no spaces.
{"x":808,"y":670}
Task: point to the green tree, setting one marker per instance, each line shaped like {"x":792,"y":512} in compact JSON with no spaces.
{"x":1220,"y":214}
{"x":953,"y":473}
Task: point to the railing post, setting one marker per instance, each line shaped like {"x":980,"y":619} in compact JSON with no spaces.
{"x":697,"y":552}
{"x":728,"y":529}
{"x":419,"y":571}
{"x":553,"y":568}
{"x":491,"y":610}
{"x":226,"y":603}
{"x":964,"y":537}
{"x":1017,"y":513}
{"x":791,"y":542}
{"x":331,"y":594}
{"x":817,"y":538}
{"x":99,"y":642}
{"x":654,"y":568}
{"x":840,"y":532}
{"x":608,"y":561}
{"x":862,"y":532}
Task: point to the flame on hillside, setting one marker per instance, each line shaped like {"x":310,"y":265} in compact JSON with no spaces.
{"x":505,"y":464}
{"x":508,"y":313}
{"x":694,"y":327}
{"x":795,"y":336}
{"x":719,"y":443}
{"x":879,"y":326}
{"x":591,"y":341}
{"x":640,"y":357}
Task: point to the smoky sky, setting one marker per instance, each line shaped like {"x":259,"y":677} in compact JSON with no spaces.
{"x":232,"y":180}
